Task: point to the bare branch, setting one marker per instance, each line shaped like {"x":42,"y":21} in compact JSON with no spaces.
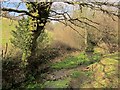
{"x":72,"y":29}
{"x":98,"y":6}
{"x":90,"y":20}
{"x":19,"y":11}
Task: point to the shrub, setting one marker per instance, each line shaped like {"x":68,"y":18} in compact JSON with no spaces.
{"x":12,"y":73}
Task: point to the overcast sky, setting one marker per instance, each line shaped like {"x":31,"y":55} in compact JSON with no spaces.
{"x":69,"y":8}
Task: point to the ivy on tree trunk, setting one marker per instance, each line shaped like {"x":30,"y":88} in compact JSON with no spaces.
{"x":36,"y":27}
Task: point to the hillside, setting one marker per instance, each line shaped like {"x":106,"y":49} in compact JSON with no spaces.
{"x":68,"y":66}
{"x":7,"y":26}
{"x":81,"y":72}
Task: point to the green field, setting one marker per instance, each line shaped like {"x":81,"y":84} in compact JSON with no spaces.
{"x":7,"y":26}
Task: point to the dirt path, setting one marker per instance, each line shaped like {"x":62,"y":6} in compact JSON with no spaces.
{"x":63,"y":73}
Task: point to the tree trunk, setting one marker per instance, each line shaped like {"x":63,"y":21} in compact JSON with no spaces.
{"x":32,"y":51}
{"x":90,"y":46}
{"x":36,"y":26}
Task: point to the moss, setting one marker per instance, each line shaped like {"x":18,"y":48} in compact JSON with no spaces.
{"x":105,"y":73}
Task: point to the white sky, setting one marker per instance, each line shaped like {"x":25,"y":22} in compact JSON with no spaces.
{"x":64,"y":0}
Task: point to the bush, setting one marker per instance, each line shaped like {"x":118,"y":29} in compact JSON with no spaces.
{"x":12,"y":73}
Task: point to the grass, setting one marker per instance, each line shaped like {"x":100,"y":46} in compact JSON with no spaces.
{"x":77,"y":74}
{"x":7,"y":26}
{"x":57,"y":84}
{"x":47,"y":84}
{"x":34,"y":86}
{"x":74,"y":61}
{"x":113,"y":56}
{"x":97,"y":76}
{"x":105,"y":71}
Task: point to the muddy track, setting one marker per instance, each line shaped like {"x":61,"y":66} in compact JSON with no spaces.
{"x":63,"y":73}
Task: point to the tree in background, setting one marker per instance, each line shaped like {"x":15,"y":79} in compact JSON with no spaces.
{"x":97,"y":28}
